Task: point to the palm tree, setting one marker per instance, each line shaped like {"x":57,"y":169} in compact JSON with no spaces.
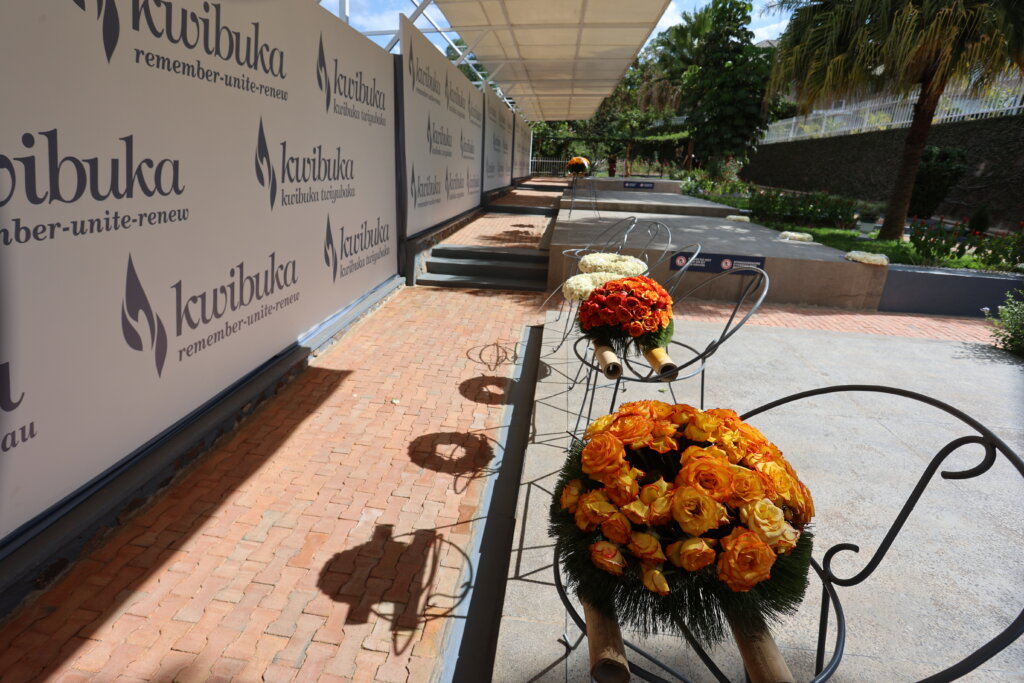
{"x":839,"y":48}
{"x":671,"y":54}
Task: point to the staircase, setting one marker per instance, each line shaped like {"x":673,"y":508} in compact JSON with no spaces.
{"x":453,"y":265}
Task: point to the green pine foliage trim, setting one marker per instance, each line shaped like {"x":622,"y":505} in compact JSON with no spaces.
{"x":621,"y":343}
{"x":698,"y":600}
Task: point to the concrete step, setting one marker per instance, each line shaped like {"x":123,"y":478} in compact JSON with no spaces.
{"x":473,"y":282}
{"x":541,"y":188}
{"x":488,"y":267}
{"x":514,"y":254}
{"x":521,"y":210}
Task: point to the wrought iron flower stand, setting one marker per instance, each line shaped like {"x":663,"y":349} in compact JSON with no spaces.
{"x":827,"y":664}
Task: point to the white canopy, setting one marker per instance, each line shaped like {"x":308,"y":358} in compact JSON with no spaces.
{"x":558,"y":59}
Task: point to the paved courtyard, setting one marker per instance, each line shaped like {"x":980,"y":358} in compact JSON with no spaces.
{"x":334,"y":535}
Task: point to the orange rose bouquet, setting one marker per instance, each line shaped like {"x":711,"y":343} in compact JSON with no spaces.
{"x":668,"y":516}
{"x":631,"y":312}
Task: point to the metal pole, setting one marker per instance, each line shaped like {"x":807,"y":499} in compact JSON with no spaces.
{"x":412,"y":17}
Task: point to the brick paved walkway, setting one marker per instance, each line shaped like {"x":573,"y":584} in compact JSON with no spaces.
{"x":529,"y":198}
{"x":325,"y":539}
{"x":502,"y":230}
{"x":843,"y":320}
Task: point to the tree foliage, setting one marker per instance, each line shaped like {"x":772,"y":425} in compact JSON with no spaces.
{"x":857,"y":47}
{"x":722,"y":91}
{"x":452,"y":55}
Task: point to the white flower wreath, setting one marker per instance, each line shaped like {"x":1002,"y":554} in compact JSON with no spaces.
{"x":868,"y":258}
{"x":579,"y":287}
{"x":624,"y":266}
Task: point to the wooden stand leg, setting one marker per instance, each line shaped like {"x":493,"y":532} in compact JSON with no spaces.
{"x":608,"y":361}
{"x":661,"y":363}
{"x":607,"y":653}
{"x":761,"y":656}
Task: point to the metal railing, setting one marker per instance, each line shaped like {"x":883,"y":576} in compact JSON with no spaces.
{"x":556,"y":167}
{"x":1004,"y":98}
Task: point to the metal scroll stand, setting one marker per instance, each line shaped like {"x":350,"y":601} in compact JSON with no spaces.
{"x":576,"y":191}
{"x":752,"y":292}
{"x":977,"y":434}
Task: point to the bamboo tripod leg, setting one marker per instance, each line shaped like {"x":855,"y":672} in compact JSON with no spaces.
{"x":607,"y":653}
{"x":761,"y":656}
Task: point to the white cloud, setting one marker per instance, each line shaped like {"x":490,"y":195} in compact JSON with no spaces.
{"x":771,"y":31}
{"x":671,"y":17}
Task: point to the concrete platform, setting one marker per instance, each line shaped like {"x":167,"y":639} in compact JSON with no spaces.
{"x":669,"y":203}
{"x":950,"y":582}
{"x":790,"y":265}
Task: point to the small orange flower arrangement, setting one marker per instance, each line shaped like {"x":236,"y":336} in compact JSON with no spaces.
{"x":667,"y":515}
{"x":632,"y":305}
{"x":578,"y":166}
{"x":630,"y":312}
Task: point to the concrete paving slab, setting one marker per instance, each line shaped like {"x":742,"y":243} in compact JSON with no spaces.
{"x":715,"y":234}
{"x":636,"y":184}
{"x":588,"y":199}
{"x":951,"y":580}
{"x":790,"y":265}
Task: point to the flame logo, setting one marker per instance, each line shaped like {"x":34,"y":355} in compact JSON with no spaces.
{"x":323,"y":79}
{"x":267,"y":179}
{"x":106,"y":13}
{"x":134,"y":303}
{"x":412,"y":184}
{"x":412,"y":69}
{"x":330,"y":253}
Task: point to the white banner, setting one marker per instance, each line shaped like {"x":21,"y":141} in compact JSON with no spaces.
{"x":443,"y":133}
{"x":186,"y":189}
{"x":523,"y":143}
{"x":498,"y":147}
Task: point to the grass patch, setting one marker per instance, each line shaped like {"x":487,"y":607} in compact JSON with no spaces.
{"x":848,"y":240}
{"x":735,"y":202}
{"x":898,"y":251}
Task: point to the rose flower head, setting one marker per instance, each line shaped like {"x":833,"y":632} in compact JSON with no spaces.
{"x":653,"y":579}
{"x":692,"y":554}
{"x":603,"y":455}
{"x":607,"y":557}
{"x":647,"y":547}
{"x":571,"y":495}
{"x":697,"y":513}
{"x":592,"y":509}
{"x":765,"y":519}
{"x":617,"y":528}
{"x":709,"y":475}
{"x":622,"y":487}
{"x":745,"y":560}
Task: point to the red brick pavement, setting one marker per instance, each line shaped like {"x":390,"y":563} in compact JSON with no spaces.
{"x":843,"y":320}
{"x":323,"y":540}
{"x":502,"y":230}
{"x":519,"y":197}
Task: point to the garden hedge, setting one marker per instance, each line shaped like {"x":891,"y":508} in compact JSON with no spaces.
{"x":863,"y":166}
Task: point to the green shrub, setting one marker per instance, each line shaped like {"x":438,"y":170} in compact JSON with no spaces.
{"x":1008,"y":323}
{"x":702,"y":182}
{"x":816,"y":208}
{"x":869,"y":211}
{"x":937,"y":244}
{"x":940,"y":169}
{"x":998,"y":253}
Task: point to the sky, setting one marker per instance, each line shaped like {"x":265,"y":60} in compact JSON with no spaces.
{"x":371,"y":15}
